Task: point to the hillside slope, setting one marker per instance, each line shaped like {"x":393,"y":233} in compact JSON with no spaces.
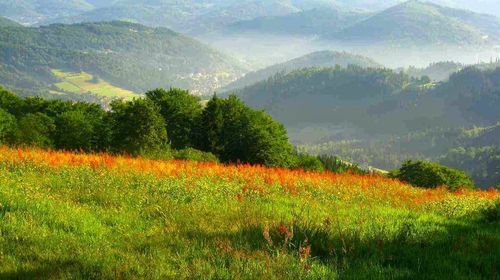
{"x":420,"y":23}
{"x":316,"y":21}
{"x":191,"y":16}
{"x":99,"y":216}
{"x":35,"y":11}
{"x":377,"y":117}
{"x":315,"y":59}
{"x":378,"y":100}
{"x":5,"y":22}
{"x":128,"y":55}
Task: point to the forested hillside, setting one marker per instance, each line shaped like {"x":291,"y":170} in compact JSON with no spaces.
{"x":375,"y":116}
{"x":317,"y":21}
{"x":379,"y":100}
{"x":127,"y":55}
{"x":5,"y":22}
{"x":316,"y":59}
{"x":34,"y":11}
{"x":420,"y":23}
{"x":192,"y":16}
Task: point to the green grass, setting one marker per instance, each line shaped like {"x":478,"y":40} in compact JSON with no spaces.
{"x":88,"y":223}
{"x":81,"y":83}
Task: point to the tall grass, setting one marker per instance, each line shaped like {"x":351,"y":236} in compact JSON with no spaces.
{"x":66,"y":215}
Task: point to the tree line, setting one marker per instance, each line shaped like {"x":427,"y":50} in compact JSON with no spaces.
{"x":163,"y":124}
{"x":169,"y":124}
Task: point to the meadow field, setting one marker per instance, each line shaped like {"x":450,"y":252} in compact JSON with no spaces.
{"x":82,"y":83}
{"x":96,"y":216}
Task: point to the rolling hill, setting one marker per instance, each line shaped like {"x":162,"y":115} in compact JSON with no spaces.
{"x":5,"y":22}
{"x":35,"y":11}
{"x":379,"y":117}
{"x":186,"y":16}
{"x":127,"y":55}
{"x":317,"y":21}
{"x":420,"y":23}
{"x":491,"y":7}
{"x":378,"y":100}
{"x":316,"y":59}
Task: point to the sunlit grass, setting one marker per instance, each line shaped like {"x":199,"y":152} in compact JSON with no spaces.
{"x":65,"y":215}
{"x":81,"y":83}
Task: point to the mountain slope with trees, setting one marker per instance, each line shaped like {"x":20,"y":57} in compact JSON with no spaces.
{"x":5,"y":22}
{"x":317,"y":21}
{"x":381,"y":118}
{"x":316,"y":59}
{"x":35,"y":11}
{"x":420,"y":23}
{"x":128,"y":55}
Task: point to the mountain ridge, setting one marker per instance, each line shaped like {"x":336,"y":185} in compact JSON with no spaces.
{"x":129,"y":55}
{"x":418,"y":22}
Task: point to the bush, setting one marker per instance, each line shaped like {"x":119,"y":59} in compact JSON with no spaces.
{"x":195,"y":155}
{"x":309,"y":163}
{"x":426,"y":174}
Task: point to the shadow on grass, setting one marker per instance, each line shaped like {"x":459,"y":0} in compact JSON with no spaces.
{"x":55,"y":270}
{"x":458,"y":250}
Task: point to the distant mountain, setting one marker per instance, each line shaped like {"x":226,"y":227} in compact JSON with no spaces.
{"x":439,"y":71}
{"x":127,"y":55}
{"x":379,"y":117}
{"x":317,"y":21}
{"x":190,"y":16}
{"x":479,"y":6}
{"x":367,"y":5}
{"x":378,"y":101}
{"x":489,"y":137}
{"x":420,"y":23}
{"x":491,"y":7}
{"x":316,"y":59}
{"x":4,"y":22}
{"x":34,"y":11}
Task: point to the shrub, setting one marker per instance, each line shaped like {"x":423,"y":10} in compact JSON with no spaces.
{"x":195,"y":155}
{"x":431,"y":175}
{"x":309,"y":163}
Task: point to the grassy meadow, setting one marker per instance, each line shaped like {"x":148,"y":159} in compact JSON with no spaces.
{"x":75,"y":216}
{"x":82,"y":83}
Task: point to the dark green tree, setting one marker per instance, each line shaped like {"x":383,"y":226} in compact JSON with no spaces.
{"x":236,"y":133}
{"x":138,"y":128}
{"x":10,"y":102}
{"x":74,"y":131}
{"x":208,"y":131}
{"x":309,"y":163}
{"x":7,"y":126}
{"x":181,"y":111}
{"x":267,"y":141}
{"x":35,"y":129}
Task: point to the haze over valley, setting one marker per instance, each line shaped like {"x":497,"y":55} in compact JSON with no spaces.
{"x":249,"y":139}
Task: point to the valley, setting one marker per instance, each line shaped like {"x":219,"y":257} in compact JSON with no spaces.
{"x":249,"y":139}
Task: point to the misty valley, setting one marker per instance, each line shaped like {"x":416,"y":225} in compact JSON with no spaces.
{"x":250,"y":139}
